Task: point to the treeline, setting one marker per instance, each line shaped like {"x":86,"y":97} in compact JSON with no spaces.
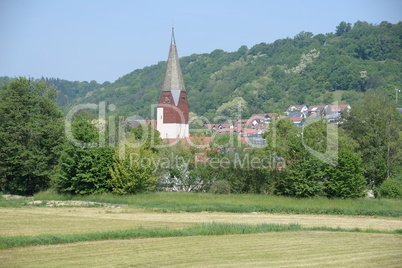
{"x":72,"y":91}
{"x":306,"y":69}
{"x":85,"y":154}
{"x":68,"y":92}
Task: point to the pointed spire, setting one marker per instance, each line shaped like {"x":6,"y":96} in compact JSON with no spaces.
{"x":173,"y":76}
{"x":173,"y":41}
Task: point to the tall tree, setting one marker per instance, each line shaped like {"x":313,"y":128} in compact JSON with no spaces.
{"x":31,"y":133}
{"x":376,"y":124}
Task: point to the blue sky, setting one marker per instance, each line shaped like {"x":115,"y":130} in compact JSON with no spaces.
{"x":103,"y":40}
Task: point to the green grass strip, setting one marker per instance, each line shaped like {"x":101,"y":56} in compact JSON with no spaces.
{"x":204,"y":230}
{"x":242,"y":203}
{"x":177,"y":207}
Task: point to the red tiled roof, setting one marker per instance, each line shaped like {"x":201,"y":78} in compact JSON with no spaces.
{"x":339,"y":107}
{"x":296,"y":119}
{"x":249,"y":132}
{"x":244,"y":130}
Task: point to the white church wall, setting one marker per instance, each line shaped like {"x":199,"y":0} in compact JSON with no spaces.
{"x":171,"y":130}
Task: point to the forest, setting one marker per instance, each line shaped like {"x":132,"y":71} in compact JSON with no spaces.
{"x":358,"y":64}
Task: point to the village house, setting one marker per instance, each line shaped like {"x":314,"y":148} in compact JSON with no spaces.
{"x":298,"y":121}
{"x":252,"y":129}
{"x":296,"y":108}
{"x":339,"y":108}
{"x":333,"y":113}
{"x":266,"y":118}
{"x":318,"y":110}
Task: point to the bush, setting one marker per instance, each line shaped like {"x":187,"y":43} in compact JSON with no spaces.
{"x":390,"y":188}
{"x":132,"y":175}
{"x":220,"y":187}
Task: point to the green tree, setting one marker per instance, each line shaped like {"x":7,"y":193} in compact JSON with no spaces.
{"x":346,"y":179}
{"x":305,"y":175}
{"x":133,"y":172}
{"x":301,"y":173}
{"x":83,"y":170}
{"x":351,"y":97}
{"x":232,"y":108}
{"x":227,"y":140}
{"x":343,"y":28}
{"x":151,"y":139}
{"x":328,"y":98}
{"x":376,"y":125}
{"x":31,"y":134}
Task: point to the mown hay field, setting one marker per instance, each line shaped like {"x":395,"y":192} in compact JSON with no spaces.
{"x":65,"y":220}
{"x":285,"y":249}
{"x":156,"y":231}
{"x":273,"y":249}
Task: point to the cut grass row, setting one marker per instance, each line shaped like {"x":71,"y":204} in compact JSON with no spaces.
{"x":242,"y":203}
{"x":30,"y":221}
{"x":198,"y":230}
{"x":275,"y":249}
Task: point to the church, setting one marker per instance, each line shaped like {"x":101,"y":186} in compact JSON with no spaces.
{"x":173,"y":110}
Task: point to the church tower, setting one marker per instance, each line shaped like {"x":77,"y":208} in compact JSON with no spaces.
{"x":172,"y":111}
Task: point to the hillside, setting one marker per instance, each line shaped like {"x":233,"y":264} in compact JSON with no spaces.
{"x":307,"y":69}
{"x":69,"y":91}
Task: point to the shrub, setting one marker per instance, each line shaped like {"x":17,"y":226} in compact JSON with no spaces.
{"x":220,"y":187}
{"x":134,"y":173}
{"x":390,"y":188}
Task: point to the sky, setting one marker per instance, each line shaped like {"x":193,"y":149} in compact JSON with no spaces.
{"x":84,"y":40}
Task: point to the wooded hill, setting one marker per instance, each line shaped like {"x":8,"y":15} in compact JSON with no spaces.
{"x":306,"y":69}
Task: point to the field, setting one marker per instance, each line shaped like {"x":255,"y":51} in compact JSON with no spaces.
{"x":139,"y":232}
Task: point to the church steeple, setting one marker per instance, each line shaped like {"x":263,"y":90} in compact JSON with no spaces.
{"x":173,"y":76}
{"x":173,"y":111}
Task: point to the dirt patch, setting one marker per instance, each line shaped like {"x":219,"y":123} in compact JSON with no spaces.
{"x":74,"y":203}
{"x":12,"y":196}
{"x":68,"y":203}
